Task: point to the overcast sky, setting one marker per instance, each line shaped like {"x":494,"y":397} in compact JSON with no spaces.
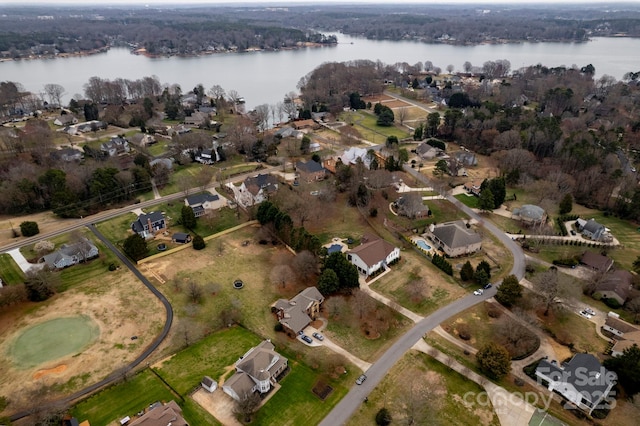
{"x":289,"y":2}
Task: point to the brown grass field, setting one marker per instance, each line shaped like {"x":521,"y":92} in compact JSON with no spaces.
{"x":120,"y":305}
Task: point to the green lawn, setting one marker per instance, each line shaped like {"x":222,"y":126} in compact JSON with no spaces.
{"x":207,"y":357}
{"x":10,"y":273}
{"x":366,"y":124}
{"x":82,"y":272}
{"x":469,"y":201}
{"x":124,"y":399}
{"x":296,"y":404}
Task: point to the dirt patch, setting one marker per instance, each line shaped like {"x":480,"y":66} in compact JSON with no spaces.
{"x":218,"y":404}
{"x":47,"y":222}
{"x":55,"y":370}
{"x":121,"y":307}
{"x":378,"y":98}
{"x":396,"y":104}
{"x":322,"y":390}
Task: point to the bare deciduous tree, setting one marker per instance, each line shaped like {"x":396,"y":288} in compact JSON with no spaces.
{"x":194,"y":292}
{"x":305,"y":265}
{"x":363,"y":303}
{"x":280,"y":274}
{"x":247,"y":405}
{"x":402,"y":114}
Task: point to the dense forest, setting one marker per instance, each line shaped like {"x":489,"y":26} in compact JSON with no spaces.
{"x":39,"y":31}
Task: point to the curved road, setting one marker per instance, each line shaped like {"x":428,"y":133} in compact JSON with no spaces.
{"x":349,"y":404}
{"x":148,"y":350}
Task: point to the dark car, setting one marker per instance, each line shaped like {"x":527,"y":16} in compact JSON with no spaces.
{"x":487,"y":286}
{"x":306,"y":338}
{"x":318,"y":336}
{"x":360,"y":380}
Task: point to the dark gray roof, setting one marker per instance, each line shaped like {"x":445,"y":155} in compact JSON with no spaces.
{"x":596,"y":261}
{"x":138,"y":225}
{"x":593,"y":226}
{"x":207,"y":381}
{"x":456,"y":234}
{"x":584,"y":372}
{"x":309,"y":166}
{"x":180,"y":236}
{"x":201,"y":198}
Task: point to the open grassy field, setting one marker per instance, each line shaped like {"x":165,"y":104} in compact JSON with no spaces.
{"x":210,"y":356}
{"x":365,"y":123}
{"x":572,"y":330}
{"x":10,"y":273}
{"x":469,"y":201}
{"x":124,"y":399}
{"x":429,"y":390}
{"x":439,"y":289}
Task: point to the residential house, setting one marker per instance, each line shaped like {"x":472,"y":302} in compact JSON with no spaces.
{"x":288,"y":132}
{"x":428,"y":152}
{"x":582,"y":381}
{"x":209,"y":384}
{"x":116,"y":146}
{"x":254,"y":189}
{"x":181,"y":238}
{"x":625,"y":334}
{"x":592,"y":230}
{"x":166,"y":162}
{"x":143,"y":139}
{"x":297,"y":313}
{"x":353,"y":155}
{"x":310,"y":171}
{"x":256,"y":371}
{"x":304,"y":124}
{"x":473,"y":187}
{"x":455,"y":238}
{"x":202,"y":202}
{"x":65,"y":120}
{"x":411,"y":206}
{"x":71,"y":254}
{"x":529,"y":214}
{"x":466,"y":158}
{"x":90,"y":126}
{"x":373,"y":255}
{"x":207,"y":156}
{"x":456,"y":168}
{"x":67,"y":154}
{"x":161,"y":415}
{"x":196,"y":119}
{"x":149,"y":224}
{"x":617,"y":285}
{"x":596,"y":261}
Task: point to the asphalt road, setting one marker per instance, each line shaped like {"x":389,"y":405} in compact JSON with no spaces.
{"x":118,"y":375}
{"x":350,"y":403}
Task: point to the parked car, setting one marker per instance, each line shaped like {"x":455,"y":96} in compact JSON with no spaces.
{"x":585,"y":314}
{"x":590,"y":311}
{"x":487,"y":286}
{"x":478,"y":292}
{"x":573,"y":232}
{"x":360,"y":380}
{"x":306,"y":338}
{"x":318,"y":336}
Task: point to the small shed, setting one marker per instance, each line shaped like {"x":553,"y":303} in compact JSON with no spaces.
{"x":209,"y":384}
{"x":181,"y":238}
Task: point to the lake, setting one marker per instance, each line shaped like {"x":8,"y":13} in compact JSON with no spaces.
{"x":265,"y":77}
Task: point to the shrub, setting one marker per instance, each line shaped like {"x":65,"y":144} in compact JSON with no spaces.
{"x":612,"y":303}
{"x":383,"y":417}
{"x":278,"y":327}
{"x":373,"y":212}
{"x":112,"y":266}
{"x":29,"y":229}
{"x":464,"y":332}
{"x":198,"y":242}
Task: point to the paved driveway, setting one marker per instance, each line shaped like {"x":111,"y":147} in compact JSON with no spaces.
{"x":22,"y":261}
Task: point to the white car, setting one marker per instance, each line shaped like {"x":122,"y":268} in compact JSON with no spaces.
{"x":478,"y":292}
{"x":585,"y":314}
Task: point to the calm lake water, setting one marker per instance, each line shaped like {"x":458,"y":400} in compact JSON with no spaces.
{"x":265,"y":77}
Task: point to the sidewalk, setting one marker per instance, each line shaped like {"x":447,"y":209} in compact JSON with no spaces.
{"x":364,"y":286}
{"x":511,"y":410}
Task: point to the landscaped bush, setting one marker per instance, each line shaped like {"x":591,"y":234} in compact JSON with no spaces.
{"x":198,"y":242}
{"x":29,"y":229}
{"x":612,"y":303}
{"x":566,"y":261}
{"x":442,"y":263}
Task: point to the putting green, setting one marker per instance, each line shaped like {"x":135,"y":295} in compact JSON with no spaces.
{"x":52,"y":340}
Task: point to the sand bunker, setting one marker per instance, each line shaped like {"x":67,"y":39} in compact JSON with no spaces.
{"x":55,"y":370}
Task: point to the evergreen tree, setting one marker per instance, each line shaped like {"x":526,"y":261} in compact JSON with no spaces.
{"x":198,"y":242}
{"x":510,"y":291}
{"x":135,"y":247}
{"x":486,"y":202}
{"x":566,"y":205}
{"x":484,"y":265}
{"x":328,"y":282}
{"x":188,"y":217}
{"x":494,"y":360}
{"x":466,"y":273}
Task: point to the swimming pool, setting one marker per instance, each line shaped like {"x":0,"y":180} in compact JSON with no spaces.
{"x":423,"y":245}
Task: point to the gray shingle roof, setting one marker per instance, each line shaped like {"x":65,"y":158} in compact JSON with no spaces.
{"x":456,"y":234}
{"x":201,"y":198}
{"x":309,"y":166}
